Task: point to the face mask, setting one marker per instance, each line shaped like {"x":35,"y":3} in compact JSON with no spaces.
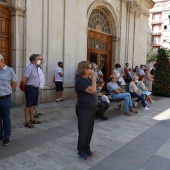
{"x":136,"y":81}
{"x":38,"y":62}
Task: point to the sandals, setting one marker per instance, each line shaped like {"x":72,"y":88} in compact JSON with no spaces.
{"x":90,"y":153}
{"x":29,"y":125}
{"x":133,"y":110}
{"x":84,"y":157}
{"x":35,"y":121}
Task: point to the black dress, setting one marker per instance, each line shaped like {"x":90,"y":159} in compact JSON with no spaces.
{"x":85,"y":111}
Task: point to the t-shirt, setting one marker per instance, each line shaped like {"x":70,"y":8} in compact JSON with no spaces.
{"x":7,"y":75}
{"x":41,"y":77}
{"x":89,"y":99}
{"x":112,"y":86}
{"x":132,"y":84}
{"x":57,"y":76}
{"x":141,"y":72}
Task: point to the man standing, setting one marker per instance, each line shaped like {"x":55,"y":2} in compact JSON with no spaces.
{"x":141,"y":70}
{"x":31,"y":82}
{"x":59,"y":82}
{"x":8,"y":82}
{"x":42,"y":82}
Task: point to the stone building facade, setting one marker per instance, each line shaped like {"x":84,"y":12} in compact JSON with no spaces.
{"x":103,"y":31}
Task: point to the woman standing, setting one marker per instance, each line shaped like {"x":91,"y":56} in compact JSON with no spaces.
{"x":85,"y":108}
{"x":148,"y":78}
{"x":117,"y":74}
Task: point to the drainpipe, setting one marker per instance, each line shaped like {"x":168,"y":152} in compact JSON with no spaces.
{"x":64,"y":17}
{"x":48,"y":6}
{"x":120,"y":16}
{"x":134,"y":31}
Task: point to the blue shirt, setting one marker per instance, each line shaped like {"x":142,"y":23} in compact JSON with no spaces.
{"x":7,"y":75}
{"x":112,"y":86}
{"x":31,"y":72}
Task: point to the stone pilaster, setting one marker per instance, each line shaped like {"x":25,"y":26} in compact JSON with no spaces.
{"x":17,"y":12}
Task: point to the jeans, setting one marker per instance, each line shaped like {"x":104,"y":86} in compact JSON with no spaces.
{"x":140,"y":98}
{"x":5,"y":122}
{"x":126,"y":97}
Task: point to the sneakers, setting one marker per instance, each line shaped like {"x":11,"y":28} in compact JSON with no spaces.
{"x":152,"y":101}
{"x":59,"y":100}
{"x":146,"y":103}
{"x":6,"y":142}
{"x":127,"y":114}
{"x":146,"y":109}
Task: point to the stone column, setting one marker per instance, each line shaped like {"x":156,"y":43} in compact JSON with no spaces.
{"x":17,"y":11}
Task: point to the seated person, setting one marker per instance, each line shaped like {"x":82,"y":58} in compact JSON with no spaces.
{"x":116,"y":94}
{"x":134,"y":92}
{"x":144,"y":91}
{"x":103,"y":103}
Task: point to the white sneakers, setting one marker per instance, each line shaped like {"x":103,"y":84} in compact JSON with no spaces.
{"x":146,"y":109}
{"x":152,"y":101}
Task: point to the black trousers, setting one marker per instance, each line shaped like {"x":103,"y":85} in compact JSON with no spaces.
{"x":102,"y":107}
{"x":86,"y":117}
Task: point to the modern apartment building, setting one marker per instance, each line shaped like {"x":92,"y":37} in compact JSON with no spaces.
{"x":159,"y":22}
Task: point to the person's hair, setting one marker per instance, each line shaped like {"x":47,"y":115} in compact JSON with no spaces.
{"x":148,"y":67}
{"x":126,"y":64}
{"x":110,"y":78}
{"x":134,"y":78}
{"x":1,"y":56}
{"x":141,"y":65}
{"x":141,"y":77}
{"x":117,"y":65}
{"x":136,"y":66}
{"x":82,"y":67}
{"x":33,"y":57}
{"x":134,"y":70}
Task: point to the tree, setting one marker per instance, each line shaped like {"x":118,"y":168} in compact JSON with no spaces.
{"x":161,"y":84}
{"x":151,"y":56}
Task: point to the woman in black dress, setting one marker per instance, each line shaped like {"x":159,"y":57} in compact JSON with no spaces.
{"x":85,"y":108}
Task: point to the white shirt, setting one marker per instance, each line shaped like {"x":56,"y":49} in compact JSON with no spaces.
{"x":117,"y":74}
{"x":41,"y":77}
{"x":57,"y":76}
{"x":132,"y":84}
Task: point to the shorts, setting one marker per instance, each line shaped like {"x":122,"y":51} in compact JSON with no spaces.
{"x":59,"y":86}
{"x":31,"y":95}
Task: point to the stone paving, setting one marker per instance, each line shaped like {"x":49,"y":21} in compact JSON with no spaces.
{"x":138,"y":142}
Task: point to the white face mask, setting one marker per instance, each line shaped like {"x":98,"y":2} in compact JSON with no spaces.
{"x":136,"y":81}
{"x":38,"y":62}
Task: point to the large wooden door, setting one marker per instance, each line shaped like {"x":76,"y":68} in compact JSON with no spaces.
{"x":99,"y":51}
{"x":4,"y":33}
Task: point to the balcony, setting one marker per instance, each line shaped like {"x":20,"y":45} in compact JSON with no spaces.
{"x":157,"y":22}
{"x":156,"y":33}
{"x":155,"y":44}
{"x":155,"y":10}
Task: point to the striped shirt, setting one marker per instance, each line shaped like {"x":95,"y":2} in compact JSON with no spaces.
{"x":7,"y":75}
{"x":31,"y":72}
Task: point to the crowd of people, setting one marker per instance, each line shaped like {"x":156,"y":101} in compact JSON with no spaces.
{"x":91,"y":100}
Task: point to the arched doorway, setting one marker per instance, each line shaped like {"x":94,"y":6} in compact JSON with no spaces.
{"x":5,"y":31}
{"x":99,"y":42}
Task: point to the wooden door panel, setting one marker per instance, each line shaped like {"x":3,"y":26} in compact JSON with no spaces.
{"x":3,"y":27}
{"x":4,"y":33}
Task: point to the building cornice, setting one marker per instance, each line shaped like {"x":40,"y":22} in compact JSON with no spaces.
{"x":148,"y":3}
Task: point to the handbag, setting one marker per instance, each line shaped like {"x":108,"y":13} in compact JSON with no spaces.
{"x":21,"y":86}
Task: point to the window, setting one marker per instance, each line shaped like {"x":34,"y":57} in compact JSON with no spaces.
{"x":97,"y":44}
{"x":99,"y":22}
{"x":156,"y":29}
{"x":165,"y":27}
{"x":156,"y":17}
{"x":158,"y":5}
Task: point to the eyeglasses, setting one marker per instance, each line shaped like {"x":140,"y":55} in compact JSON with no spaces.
{"x":90,"y":68}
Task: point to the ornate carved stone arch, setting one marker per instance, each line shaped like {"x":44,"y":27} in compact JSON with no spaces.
{"x":107,"y":7}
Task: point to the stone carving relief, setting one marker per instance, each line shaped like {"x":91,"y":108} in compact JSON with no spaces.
{"x":17,"y":7}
